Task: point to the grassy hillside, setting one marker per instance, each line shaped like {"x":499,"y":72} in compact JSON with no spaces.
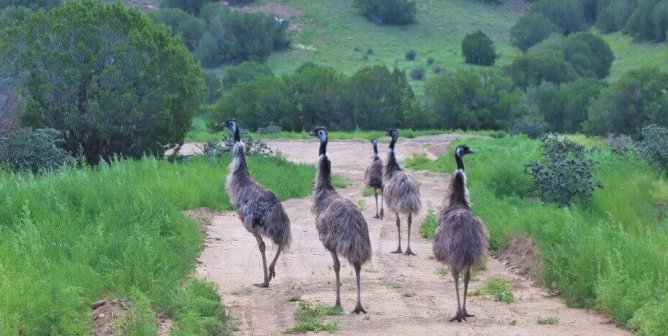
{"x":630,"y":55}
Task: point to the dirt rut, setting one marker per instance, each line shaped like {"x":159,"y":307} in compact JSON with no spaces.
{"x":402,"y":294}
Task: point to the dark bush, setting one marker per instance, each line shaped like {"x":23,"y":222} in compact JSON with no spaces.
{"x":568,"y":15}
{"x":244,"y":72}
{"x":438,"y":69}
{"x":10,"y":14}
{"x":430,"y":61}
{"x":473,"y":99}
{"x":478,"y":48}
{"x":531,"y":126}
{"x":417,"y":73}
{"x":654,"y":146}
{"x":9,"y":107}
{"x":533,"y":68}
{"x":191,"y":6}
{"x":411,"y":55}
{"x":369,"y":51}
{"x":639,"y":98}
{"x":214,"y":150}
{"x":213,"y":85}
{"x":589,"y":54}
{"x":530,"y":30}
{"x":32,"y":4}
{"x":614,"y":16}
{"x":399,"y":12}
{"x":620,"y":144}
{"x":649,"y":20}
{"x":565,"y":172}
{"x":82,"y":72}
{"x":239,"y":2}
{"x":184,"y":25}
{"x":34,"y":150}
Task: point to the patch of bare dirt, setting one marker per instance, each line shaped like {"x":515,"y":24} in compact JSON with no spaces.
{"x":108,"y":315}
{"x":203,"y":215}
{"x":522,"y":257}
{"x":403,"y":295}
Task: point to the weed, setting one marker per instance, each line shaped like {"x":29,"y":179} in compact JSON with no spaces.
{"x":428,"y":225}
{"x":310,"y":318}
{"x":552,"y":320}
{"x":367,"y":191}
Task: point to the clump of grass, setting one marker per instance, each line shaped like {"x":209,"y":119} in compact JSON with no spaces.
{"x":496,"y":288}
{"x":443,"y":271}
{"x":428,"y":225}
{"x":552,"y":320}
{"x":294,"y":298}
{"x":310,"y":318}
{"x":339,"y":181}
{"x":367,"y":191}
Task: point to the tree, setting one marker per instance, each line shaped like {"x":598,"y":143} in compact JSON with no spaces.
{"x":566,"y":14}
{"x":479,"y":49}
{"x":110,"y":80}
{"x":184,"y":25}
{"x":544,"y":65}
{"x":244,"y":72}
{"x":10,"y":14}
{"x":473,"y":99}
{"x":398,"y":12}
{"x":32,"y":4}
{"x":191,"y":6}
{"x":589,"y":54}
{"x":530,"y":30}
{"x":638,"y":99}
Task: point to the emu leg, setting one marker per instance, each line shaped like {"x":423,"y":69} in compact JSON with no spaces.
{"x":272,"y":272}
{"x":375,"y":194}
{"x":260,"y":244}
{"x":467,"y":277}
{"x":399,"y":233}
{"x":382,"y":202}
{"x":410,"y":221}
{"x":460,"y":315}
{"x":358,"y":307}
{"x":337,"y":267}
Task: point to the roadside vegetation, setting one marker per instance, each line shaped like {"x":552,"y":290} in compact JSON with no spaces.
{"x":606,"y":253}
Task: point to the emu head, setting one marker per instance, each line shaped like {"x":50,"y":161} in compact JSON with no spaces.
{"x":460,"y":151}
{"x":234,"y":128}
{"x":374,"y":143}
{"x":321,"y":133}
{"x":394,"y":134}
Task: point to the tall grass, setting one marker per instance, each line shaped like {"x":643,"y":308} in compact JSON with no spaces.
{"x":611,"y":254}
{"x":71,"y":237}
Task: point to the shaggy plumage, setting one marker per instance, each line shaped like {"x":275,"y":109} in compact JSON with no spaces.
{"x":373,"y":176}
{"x":341,"y":226}
{"x":258,"y":208}
{"x":402,"y":193}
{"x":461,"y":239}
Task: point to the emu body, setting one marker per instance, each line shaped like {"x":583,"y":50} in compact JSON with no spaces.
{"x":402,"y":193}
{"x":461,"y":239}
{"x":373,"y":178}
{"x":341,"y":227}
{"x":259,"y":209}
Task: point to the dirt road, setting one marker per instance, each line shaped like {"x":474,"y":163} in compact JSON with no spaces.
{"x":403,"y":295}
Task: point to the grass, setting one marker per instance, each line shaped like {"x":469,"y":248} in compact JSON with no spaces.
{"x":496,"y":288}
{"x":429,"y":223}
{"x":630,"y":55}
{"x":71,"y":237}
{"x":310,"y":318}
{"x":552,"y":320}
{"x":611,"y":254}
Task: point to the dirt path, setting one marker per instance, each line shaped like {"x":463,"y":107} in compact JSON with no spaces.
{"x":403,"y":295}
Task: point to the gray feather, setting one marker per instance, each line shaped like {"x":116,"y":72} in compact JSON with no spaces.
{"x":374,"y":174}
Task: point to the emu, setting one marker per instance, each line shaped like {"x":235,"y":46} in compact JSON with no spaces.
{"x":374,"y":178}
{"x":258,"y":208}
{"x":461,"y":238}
{"x":341,"y":226}
{"x":402,"y":193}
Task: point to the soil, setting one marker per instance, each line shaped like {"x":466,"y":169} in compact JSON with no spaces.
{"x":402,"y":294}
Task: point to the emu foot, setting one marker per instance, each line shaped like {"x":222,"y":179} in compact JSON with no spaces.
{"x":381,"y":214}
{"x":398,"y":250}
{"x":377,"y":216}
{"x":459,"y":317}
{"x":409,"y":252}
{"x":466,"y":314}
{"x":359,"y":309}
{"x":262,"y":285}
{"x":272,"y":272}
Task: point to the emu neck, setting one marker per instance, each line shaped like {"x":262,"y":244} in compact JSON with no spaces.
{"x":458,"y":191}
{"x":239,"y":167}
{"x":322,"y":187}
{"x":460,"y":162}
{"x":392,"y":166}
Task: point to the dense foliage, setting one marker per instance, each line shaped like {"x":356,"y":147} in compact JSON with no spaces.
{"x":10,"y":14}
{"x":533,"y":68}
{"x":34,"y":150}
{"x":236,"y":36}
{"x":397,"y":12}
{"x":32,"y":4}
{"x":638,"y":99}
{"x":564,"y":174}
{"x":478,"y":48}
{"x":191,"y":6}
{"x":184,"y":25}
{"x":106,"y":77}
{"x":244,"y":72}
{"x":473,"y":99}
{"x":654,"y":146}
{"x":566,"y":14}
{"x":530,"y":30}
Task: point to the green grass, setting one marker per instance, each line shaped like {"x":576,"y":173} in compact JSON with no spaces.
{"x":429,"y":223}
{"x":72,"y":237}
{"x":496,"y":288}
{"x":310,"y":318}
{"x":552,"y":320}
{"x":611,"y":255}
{"x":630,"y":55}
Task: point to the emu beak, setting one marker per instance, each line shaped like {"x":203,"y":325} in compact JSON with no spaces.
{"x":471,"y":152}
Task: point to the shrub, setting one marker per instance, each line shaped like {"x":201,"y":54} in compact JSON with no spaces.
{"x":109,"y":93}
{"x":566,"y":14}
{"x":369,"y":51}
{"x":438,"y":69}
{"x":429,"y":224}
{"x":639,"y":98}
{"x":654,"y":146}
{"x":32,"y":4}
{"x":417,"y":73}
{"x":473,"y":99}
{"x":589,"y":54}
{"x":533,"y":68}
{"x":532,"y":127}
{"x":614,"y":16}
{"x":411,"y":55}
{"x":10,"y":14}
{"x":479,"y":49}
{"x":530,"y":29}
{"x":244,"y":72}
{"x":649,"y":20}
{"x":239,"y":2}
{"x":9,"y":108}
{"x":214,"y":86}
{"x":565,"y":172}
{"x":619,"y":144}
{"x":184,"y":25}
{"x":430,"y":61}
{"x":191,"y":6}
{"x":399,"y":12}
{"x":34,"y":150}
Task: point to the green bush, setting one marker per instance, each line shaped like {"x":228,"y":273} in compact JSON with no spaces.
{"x":110,"y":93}
{"x":533,"y":68}
{"x":417,"y":73}
{"x":473,"y":99}
{"x":191,"y":6}
{"x":654,"y":146}
{"x":478,"y":48}
{"x":530,"y":126}
{"x":614,"y":16}
{"x":565,"y":172}
{"x":244,"y":72}
{"x":411,"y":55}
{"x":568,"y":15}
{"x":638,"y":99}
{"x":398,"y":12}
{"x":530,"y":30}
{"x":589,"y":54}
{"x":214,"y":86}
{"x":649,"y":20}
{"x":10,"y":14}
{"x":184,"y":25}
{"x":32,"y":4}
{"x":34,"y":150}
{"x":620,"y":144}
